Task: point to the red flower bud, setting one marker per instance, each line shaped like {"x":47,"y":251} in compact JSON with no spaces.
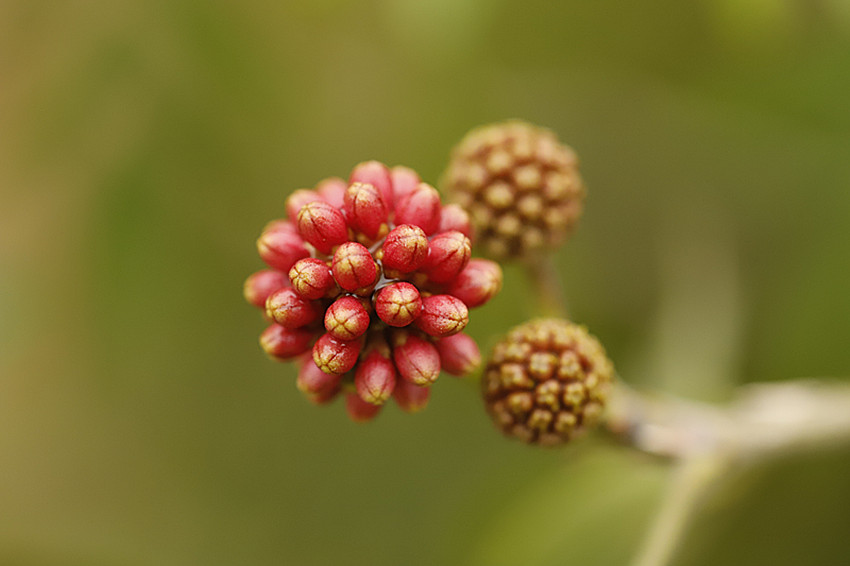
{"x":261,"y":284}
{"x":459,"y":354}
{"x":289,"y":309}
{"x":322,"y":225}
{"x":454,"y":217}
{"x":448,"y":254}
{"x":376,"y":174}
{"x":398,"y":304}
{"x":405,"y":180}
{"x":353,"y":267}
{"x":420,"y":207}
{"x":313,"y":381}
{"x":335,"y":356}
{"x":411,"y":397}
{"x":332,"y":191}
{"x":375,"y":378}
{"x":359,"y":410}
{"x":284,"y":343}
{"x":405,"y":248}
{"x":324,"y":396}
{"x":479,"y":282}
{"x":366,"y":210}
{"x":280,"y":249}
{"x":416,"y":359}
{"x":311,"y":278}
{"x":298,"y":200}
{"x":346,"y":318}
{"x":281,"y":226}
{"x":442,"y":315}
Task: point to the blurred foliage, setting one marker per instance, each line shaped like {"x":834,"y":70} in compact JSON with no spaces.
{"x":144,"y":144}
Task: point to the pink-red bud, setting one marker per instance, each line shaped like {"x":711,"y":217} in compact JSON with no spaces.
{"x":261,"y":284}
{"x":442,"y":315}
{"x":480,"y":281}
{"x":332,"y":191}
{"x":280,"y":225}
{"x":284,"y":343}
{"x":297,"y":200}
{"x":459,"y":354}
{"x":405,"y":180}
{"x":359,"y":410}
{"x":353,"y":267}
{"x":410,"y":397}
{"x":421,"y":207}
{"x":416,"y":359}
{"x":398,"y":304}
{"x":375,"y":378}
{"x":366,"y":210}
{"x":311,"y":278}
{"x":322,"y":225}
{"x":336,"y":356}
{"x":454,"y":217}
{"x":376,"y":174}
{"x":405,"y":248}
{"x":448,"y":254}
{"x":313,"y":381}
{"x":289,"y":309}
{"x":346,"y":318}
{"x":281,"y":249}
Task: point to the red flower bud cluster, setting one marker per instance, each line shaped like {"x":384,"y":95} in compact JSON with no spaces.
{"x":369,"y":289}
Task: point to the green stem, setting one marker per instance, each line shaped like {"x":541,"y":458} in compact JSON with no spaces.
{"x":546,"y":282}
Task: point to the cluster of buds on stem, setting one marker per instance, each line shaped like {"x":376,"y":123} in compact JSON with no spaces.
{"x":521,"y":186}
{"x":369,"y":287}
{"x":547,"y":382}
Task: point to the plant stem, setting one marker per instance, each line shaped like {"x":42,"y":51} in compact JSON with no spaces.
{"x":548,"y":290}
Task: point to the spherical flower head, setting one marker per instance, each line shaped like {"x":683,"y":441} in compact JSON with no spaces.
{"x":547,"y":382}
{"x":369,"y":289}
{"x":520,"y":184}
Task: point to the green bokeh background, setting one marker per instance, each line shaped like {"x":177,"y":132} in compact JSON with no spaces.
{"x":144,"y":144}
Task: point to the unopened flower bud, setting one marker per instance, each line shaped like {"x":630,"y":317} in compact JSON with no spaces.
{"x":280,"y":249}
{"x":359,"y":410}
{"x":332,"y":191}
{"x":298,"y":200}
{"x":479,"y":282}
{"x":336,"y":356}
{"x":416,"y":359}
{"x":398,"y":304}
{"x":347,"y":318}
{"x":459,"y":354}
{"x":375,"y":378}
{"x":311,"y":278}
{"x":448,"y":254}
{"x":289,"y":309}
{"x":442,"y":315}
{"x":284,"y":343}
{"x":405,"y":180}
{"x":353,"y":267}
{"x":322,"y":225}
{"x":405,"y":248}
{"x":376,"y":174}
{"x":313,"y":381}
{"x":281,"y":225}
{"x":454,"y":217}
{"x":420,"y":207}
{"x":261,"y":284}
{"x":410,"y":397}
{"x":366,"y":210}
{"x":547,"y":381}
